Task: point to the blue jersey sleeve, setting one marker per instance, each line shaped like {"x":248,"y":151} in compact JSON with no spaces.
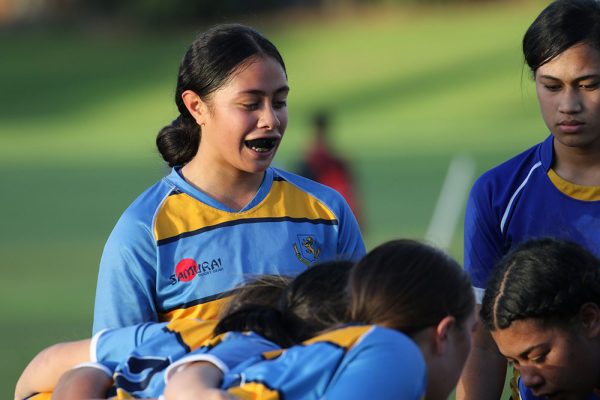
{"x":385,"y":365}
{"x":239,"y":347}
{"x":350,"y":245}
{"x":483,"y":243}
{"x":111,"y":346}
{"x":126,"y":279}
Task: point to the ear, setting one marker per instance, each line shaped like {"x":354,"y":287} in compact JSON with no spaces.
{"x":195,"y":106}
{"x":589,"y":315}
{"x":442,"y":333}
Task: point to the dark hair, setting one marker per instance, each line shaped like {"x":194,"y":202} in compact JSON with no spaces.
{"x":315,"y":300}
{"x":546,"y":279}
{"x":408,"y":286}
{"x":206,"y":66}
{"x":559,"y":26}
{"x":253,"y":307}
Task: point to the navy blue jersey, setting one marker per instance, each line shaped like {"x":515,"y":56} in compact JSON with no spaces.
{"x":521,"y":199}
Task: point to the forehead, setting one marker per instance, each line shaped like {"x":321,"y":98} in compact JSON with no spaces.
{"x":525,"y":334}
{"x":575,"y":62}
{"x":263,"y":74}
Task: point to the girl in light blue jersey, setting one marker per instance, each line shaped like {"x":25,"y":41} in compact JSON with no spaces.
{"x":223,"y":214}
{"x":542,"y":307}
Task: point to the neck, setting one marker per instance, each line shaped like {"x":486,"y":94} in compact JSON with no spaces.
{"x":233,"y":189}
{"x":577,"y":165}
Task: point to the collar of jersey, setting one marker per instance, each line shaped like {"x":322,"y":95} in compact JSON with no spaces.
{"x":579,"y":192}
{"x":176,"y":179}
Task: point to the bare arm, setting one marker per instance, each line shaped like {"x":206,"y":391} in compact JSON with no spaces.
{"x":198,"y":380}
{"x":485,"y":370}
{"x":82,"y":383}
{"x":44,"y":371}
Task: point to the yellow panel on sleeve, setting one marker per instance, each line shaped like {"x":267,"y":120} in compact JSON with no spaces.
{"x":254,"y":391}
{"x":343,"y":337}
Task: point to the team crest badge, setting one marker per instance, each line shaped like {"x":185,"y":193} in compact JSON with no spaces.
{"x":307,"y":249}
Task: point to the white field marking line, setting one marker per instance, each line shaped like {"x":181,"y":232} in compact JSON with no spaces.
{"x":451,"y":201}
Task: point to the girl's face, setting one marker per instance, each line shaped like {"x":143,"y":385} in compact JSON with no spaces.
{"x":568,"y":90}
{"x":242,"y":123}
{"x":553,"y":362}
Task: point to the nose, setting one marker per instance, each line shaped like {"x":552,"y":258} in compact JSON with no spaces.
{"x":531,"y":377}
{"x":570,"y":102}
{"x":268,"y":118}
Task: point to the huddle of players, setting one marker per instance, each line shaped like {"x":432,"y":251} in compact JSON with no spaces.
{"x":399,"y":333}
{"x":379,"y":328}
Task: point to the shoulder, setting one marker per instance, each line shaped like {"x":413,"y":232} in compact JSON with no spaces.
{"x":144,"y":208}
{"x":509,"y":175}
{"x":322,"y":193}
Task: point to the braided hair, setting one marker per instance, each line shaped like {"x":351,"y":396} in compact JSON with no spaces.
{"x":546,"y":279}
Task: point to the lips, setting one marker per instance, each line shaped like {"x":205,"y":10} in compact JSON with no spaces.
{"x":570,"y":126}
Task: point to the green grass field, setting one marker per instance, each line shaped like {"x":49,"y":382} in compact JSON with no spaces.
{"x":409,"y":89}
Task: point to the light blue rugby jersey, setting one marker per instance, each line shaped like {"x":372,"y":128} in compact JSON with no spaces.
{"x":140,"y":356}
{"x":176,"y":252}
{"x":353,"y":362}
{"x":524,"y":198}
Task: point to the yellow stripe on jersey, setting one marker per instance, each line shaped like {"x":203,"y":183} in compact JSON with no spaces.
{"x":253,"y":391}
{"x":122,"y":394}
{"x":579,"y":192}
{"x":193,"y":332}
{"x":206,"y":311}
{"x":343,"y":337}
{"x":181,"y":213}
{"x":41,"y":396}
{"x":269,"y":355}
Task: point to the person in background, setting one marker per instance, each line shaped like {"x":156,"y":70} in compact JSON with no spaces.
{"x":321,"y":163}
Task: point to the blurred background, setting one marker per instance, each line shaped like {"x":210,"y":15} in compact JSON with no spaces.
{"x":422,"y":96}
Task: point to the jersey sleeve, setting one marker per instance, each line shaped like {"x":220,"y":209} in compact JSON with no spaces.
{"x":483,"y":243}
{"x":385,"y":365}
{"x":111,"y":346}
{"x":230,"y":351}
{"x":126,"y":286}
{"x":350,"y":243}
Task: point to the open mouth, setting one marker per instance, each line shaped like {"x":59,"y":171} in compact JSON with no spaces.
{"x":261,"y":145}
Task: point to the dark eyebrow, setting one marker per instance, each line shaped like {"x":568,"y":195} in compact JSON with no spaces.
{"x":580,"y":78}
{"x":283,"y":89}
{"x":528,"y":350}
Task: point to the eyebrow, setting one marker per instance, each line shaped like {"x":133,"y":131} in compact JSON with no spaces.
{"x":263,"y":93}
{"x":580,"y":78}
{"x":528,"y":350}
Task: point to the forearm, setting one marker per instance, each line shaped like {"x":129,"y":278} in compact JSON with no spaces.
{"x":485,"y":370}
{"x":45,"y":369}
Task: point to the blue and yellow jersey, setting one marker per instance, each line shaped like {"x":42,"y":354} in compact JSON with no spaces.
{"x":141,"y":373}
{"x":176,"y":252}
{"x":353,"y":362}
{"x":524,"y":198}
